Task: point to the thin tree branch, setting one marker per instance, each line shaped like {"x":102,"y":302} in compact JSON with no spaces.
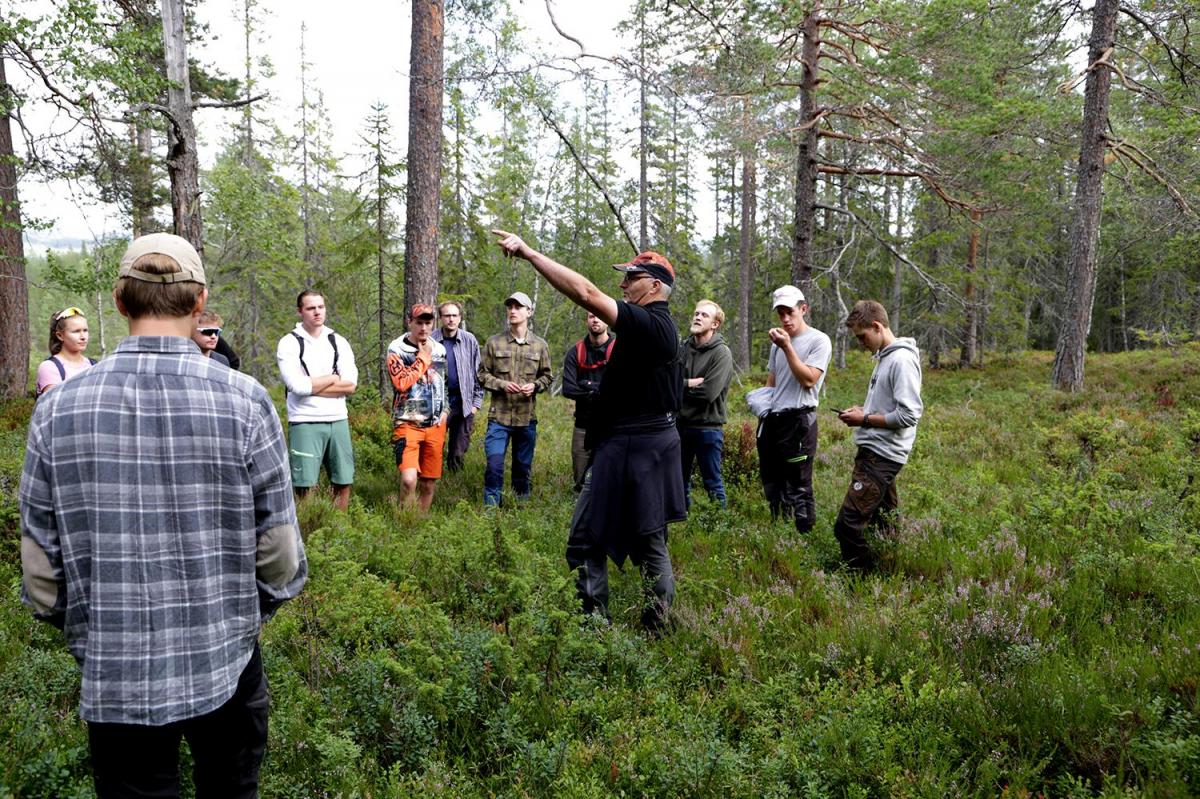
{"x":561,"y":32}
{"x":595,"y":181}
{"x":934,"y":285}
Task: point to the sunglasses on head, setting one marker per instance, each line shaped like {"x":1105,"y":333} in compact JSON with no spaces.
{"x":67,"y":313}
{"x":210,"y":331}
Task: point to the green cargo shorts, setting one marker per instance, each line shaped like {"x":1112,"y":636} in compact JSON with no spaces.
{"x":311,"y":444}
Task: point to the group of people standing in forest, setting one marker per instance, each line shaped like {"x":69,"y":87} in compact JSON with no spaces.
{"x":158,"y":494}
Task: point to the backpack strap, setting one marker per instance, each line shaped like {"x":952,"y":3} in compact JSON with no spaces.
{"x":92,"y":361}
{"x":62,"y":370}
{"x":300,"y":341}
{"x":333,"y":343}
{"x":581,"y":354}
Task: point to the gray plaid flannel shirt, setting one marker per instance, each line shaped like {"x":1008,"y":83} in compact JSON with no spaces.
{"x":158,"y":528}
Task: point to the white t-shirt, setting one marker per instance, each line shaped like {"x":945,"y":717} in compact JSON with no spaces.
{"x":302,"y":406}
{"x":814,"y":349}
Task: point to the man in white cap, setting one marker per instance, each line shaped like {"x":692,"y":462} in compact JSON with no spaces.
{"x":159,"y":532}
{"x":787,"y":435}
{"x":514,"y":368}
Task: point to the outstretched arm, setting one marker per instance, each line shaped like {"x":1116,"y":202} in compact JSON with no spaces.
{"x":574,"y":286}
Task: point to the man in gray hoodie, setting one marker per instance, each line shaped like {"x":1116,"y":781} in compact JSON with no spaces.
{"x":707,"y":370}
{"x":887,"y":428}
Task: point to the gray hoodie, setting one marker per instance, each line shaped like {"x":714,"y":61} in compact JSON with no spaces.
{"x":895,"y":392}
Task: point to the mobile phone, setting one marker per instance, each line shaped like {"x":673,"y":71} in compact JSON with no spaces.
{"x":838,"y":411}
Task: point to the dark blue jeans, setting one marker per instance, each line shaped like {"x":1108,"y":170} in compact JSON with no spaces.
{"x":495,"y":445}
{"x":704,"y":446}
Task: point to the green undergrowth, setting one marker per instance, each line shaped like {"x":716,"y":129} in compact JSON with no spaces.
{"x":1033,"y":630}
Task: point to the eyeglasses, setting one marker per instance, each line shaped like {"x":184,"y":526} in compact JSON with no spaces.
{"x":67,"y":313}
{"x":630,"y":277}
{"x":210,"y":331}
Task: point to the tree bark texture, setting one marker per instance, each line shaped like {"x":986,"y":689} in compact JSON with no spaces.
{"x":643,"y":139}
{"x":806,"y":160}
{"x":1085,"y":227}
{"x":141,"y":180}
{"x":749,"y":213}
{"x":14,"y":293}
{"x":424,"y":153}
{"x":970,"y":333}
{"x":183,"y":165}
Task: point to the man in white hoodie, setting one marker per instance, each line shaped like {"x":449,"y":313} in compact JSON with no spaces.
{"x":887,"y":428}
{"x":317,"y":366}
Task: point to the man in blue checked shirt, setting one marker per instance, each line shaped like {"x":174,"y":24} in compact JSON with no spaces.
{"x":159,"y":532}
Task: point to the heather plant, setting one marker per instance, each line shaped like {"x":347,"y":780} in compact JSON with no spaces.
{"x":1032,"y":629}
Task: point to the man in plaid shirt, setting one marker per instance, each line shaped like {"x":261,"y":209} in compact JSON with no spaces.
{"x":158,"y":532}
{"x":514,"y":368}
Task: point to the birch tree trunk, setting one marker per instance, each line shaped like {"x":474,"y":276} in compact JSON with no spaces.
{"x":806,"y":160}
{"x":1085,"y":227}
{"x":183,"y":165}
{"x":424,"y":153}
{"x":14,"y":293}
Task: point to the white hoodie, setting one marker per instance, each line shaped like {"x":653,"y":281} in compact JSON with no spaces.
{"x":302,"y":406}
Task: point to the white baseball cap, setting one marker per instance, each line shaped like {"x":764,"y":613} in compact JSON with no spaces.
{"x":787,"y":296}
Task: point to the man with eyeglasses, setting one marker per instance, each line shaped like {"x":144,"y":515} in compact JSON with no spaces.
{"x":463,"y":392}
{"x":207,"y":334}
{"x":634,"y":487}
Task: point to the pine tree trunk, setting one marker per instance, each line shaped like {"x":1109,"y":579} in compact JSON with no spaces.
{"x":643,"y":137}
{"x":897,"y":264}
{"x":424,"y":152}
{"x":14,"y":293}
{"x":749,"y":214}
{"x":806,"y":160}
{"x":970,"y":334}
{"x":1085,"y":227}
{"x":183,"y":165}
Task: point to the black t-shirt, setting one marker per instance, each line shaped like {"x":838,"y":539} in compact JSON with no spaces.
{"x":644,"y":381}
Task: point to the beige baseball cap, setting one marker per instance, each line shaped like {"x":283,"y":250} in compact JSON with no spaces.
{"x":178,"y":248}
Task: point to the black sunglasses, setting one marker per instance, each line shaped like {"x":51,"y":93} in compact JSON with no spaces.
{"x":210,"y":331}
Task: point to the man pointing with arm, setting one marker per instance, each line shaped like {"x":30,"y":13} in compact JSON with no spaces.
{"x":634,"y":487}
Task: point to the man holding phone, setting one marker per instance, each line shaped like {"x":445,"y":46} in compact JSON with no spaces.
{"x":787,"y":435}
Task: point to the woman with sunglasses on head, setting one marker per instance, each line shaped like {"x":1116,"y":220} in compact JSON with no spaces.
{"x":68,"y":340}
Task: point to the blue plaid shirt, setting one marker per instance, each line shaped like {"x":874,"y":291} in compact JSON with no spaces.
{"x":158,"y":527}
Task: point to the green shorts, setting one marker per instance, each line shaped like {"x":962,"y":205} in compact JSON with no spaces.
{"x":311,"y":444}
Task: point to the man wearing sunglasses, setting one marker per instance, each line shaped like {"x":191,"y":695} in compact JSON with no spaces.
{"x":634,"y":487}
{"x":207,"y":334}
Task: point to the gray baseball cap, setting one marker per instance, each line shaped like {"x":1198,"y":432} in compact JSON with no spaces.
{"x":176,"y":247}
{"x":521,"y":298}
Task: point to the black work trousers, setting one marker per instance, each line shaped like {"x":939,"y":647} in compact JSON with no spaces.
{"x":871,"y":501}
{"x":135,"y":760}
{"x":787,"y":447}
{"x":587,"y":556}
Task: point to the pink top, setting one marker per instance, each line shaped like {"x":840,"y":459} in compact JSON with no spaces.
{"x":48,"y":374}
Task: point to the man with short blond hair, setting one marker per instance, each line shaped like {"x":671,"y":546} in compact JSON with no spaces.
{"x":158,"y":531}
{"x":207,"y":334}
{"x":707,"y":370}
